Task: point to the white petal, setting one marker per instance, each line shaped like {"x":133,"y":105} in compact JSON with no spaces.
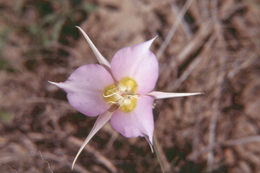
{"x":164,"y":95}
{"x":101,"y":59}
{"x":100,"y":122}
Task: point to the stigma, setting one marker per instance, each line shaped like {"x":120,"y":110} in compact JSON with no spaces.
{"x":122,"y":94}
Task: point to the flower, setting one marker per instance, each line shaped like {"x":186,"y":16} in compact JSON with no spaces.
{"x":120,"y":91}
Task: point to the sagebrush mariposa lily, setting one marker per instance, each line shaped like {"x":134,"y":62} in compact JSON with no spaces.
{"x":120,"y":91}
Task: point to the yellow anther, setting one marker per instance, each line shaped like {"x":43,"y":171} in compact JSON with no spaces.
{"x":128,"y":105}
{"x":128,"y":85}
{"x":111,"y":94}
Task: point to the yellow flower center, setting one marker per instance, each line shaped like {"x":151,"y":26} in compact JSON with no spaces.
{"x":122,"y":94}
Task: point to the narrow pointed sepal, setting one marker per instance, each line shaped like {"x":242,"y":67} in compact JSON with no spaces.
{"x":100,"y":122}
{"x":165,"y":95}
{"x":101,"y":59}
{"x":58,"y":84}
{"x":150,"y":142}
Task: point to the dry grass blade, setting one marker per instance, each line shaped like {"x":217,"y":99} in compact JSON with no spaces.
{"x":49,"y":166}
{"x":242,"y":141}
{"x":173,"y":29}
{"x":174,"y":85}
{"x":197,"y":41}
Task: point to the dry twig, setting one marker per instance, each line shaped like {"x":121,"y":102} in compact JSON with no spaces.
{"x":49,"y":166}
{"x":173,"y":29}
{"x":220,"y":82}
{"x":174,"y":85}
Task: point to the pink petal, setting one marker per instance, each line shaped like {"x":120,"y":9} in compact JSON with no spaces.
{"x":101,"y":59}
{"x":164,"y":95}
{"x":139,"y":63}
{"x":85,"y":88}
{"x":100,"y":122}
{"x":139,"y":122}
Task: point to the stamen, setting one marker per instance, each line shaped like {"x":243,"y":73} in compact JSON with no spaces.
{"x":112,"y":102}
{"x":109,"y":95}
{"x":112,"y":90}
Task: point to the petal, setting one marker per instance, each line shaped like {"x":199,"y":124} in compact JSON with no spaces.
{"x":100,"y":122}
{"x":164,"y":95}
{"x":85,"y":88}
{"x":139,"y":122}
{"x":139,"y":63}
{"x":101,"y":59}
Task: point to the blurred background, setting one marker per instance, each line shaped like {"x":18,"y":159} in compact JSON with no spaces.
{"x":209,"y":46}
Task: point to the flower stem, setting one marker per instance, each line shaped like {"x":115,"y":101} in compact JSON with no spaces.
{"x":157,"y":154}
